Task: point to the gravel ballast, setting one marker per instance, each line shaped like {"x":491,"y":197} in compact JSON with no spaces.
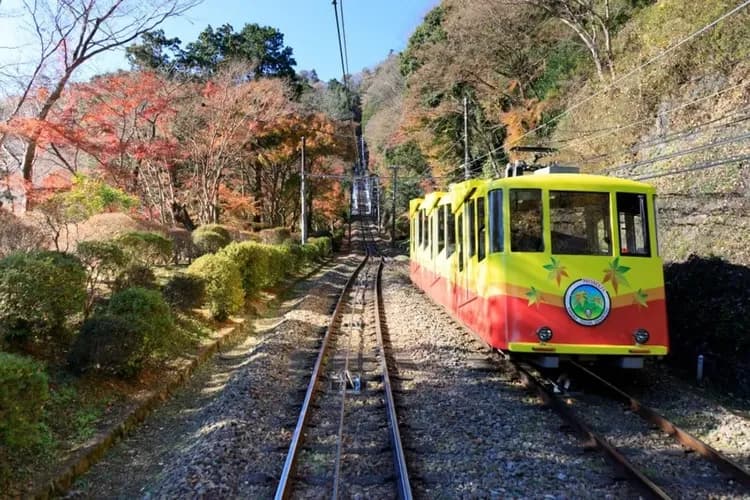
{"x":470,"y":430}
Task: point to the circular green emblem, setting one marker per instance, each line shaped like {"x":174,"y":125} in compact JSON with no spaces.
{"x":587,"y":302}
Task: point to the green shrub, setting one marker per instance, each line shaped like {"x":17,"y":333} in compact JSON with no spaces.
{"x":146,"y":248}
{"x":316,"y":249}
{"x":109,"y":344}
{"x":184,"y":291}
{"x":210,"y":238}
{"x":323,"y":244}
{"x":223,"y":280}
{"x":310,"y":253}
{"x":149,"y":312}
{"x":252,"y":259}
{"x":39,"y":291}
{"x":23,"y":391}
{"x":279,"y":264}
{"x":135,"y":275}
{"x":296,"y":256}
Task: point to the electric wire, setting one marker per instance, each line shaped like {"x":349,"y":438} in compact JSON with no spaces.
{"x":694,"y":167}
{"x":619,"y":80}
{"x":343,"y":32}
{"x":637,"y":69}
{"x":613,"y":130}
{"x":669,"y":138}
{"x":341,"y":46}
{"x":676,"y":154}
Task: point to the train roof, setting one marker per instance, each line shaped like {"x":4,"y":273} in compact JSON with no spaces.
{"x":587,"y":182}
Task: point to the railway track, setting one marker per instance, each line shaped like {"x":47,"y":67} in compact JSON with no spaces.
{"x":346,"y":441}
{"x":659,"y":457}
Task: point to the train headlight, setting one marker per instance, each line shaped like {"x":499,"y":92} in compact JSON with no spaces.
{"x":544,"y":333}
{"x":641,"y":336}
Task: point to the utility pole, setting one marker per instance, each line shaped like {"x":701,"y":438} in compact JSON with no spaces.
{"x":466,"y":138}
{"x":303,"y":222}
{"x":393,"y":218}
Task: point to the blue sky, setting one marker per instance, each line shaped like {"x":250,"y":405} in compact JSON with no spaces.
{"x":373,"y":27}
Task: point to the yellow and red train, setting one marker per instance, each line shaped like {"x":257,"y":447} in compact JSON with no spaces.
{"x":549,"y":265}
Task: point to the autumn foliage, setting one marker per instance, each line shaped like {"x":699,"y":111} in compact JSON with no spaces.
{"x":190,"y":151}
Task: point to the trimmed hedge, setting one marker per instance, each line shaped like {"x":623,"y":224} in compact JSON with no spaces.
{"x":39,"y":291}
{"x":146,"y":247}
{"x":210,"y":238}
{"x":184,"y":291}
{"x":224,"y":292}
{"x":262,"y":266}
{"x":109,"y":344}
{"x":23,"y":391}
{"x":149,"y":312}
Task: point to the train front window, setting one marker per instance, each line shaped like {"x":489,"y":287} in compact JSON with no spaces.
{"x":580,"y":223}
{"x":632,"y":218}
{"x":526,"y":220}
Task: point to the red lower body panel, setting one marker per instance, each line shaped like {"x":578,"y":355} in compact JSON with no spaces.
{"x":502,"y":319}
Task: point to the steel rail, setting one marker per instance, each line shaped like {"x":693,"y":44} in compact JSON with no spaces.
{"x":610,"y":452}
{"x":342,"y":415}
{"x":283,"y":490}
{"x":723,"y":462}
{"x":399,"y":458}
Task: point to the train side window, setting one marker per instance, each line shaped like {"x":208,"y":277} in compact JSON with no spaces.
{"x":472,"y":228}
{"x":412,"y":225}
{"x":441,"y":229}
{"x":450,"y":231}
{"x":431,"y":234}
{"x":423,"y":215}
{"x":526,"y":229}
{"x":496,"y":220}
{"x":460,"y":226}
{"x":481,"y":231}
{"x":632,"y":220}
{"x":580,"y":223}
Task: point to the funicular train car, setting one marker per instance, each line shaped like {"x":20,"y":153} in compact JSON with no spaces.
{"x":550,"y":265}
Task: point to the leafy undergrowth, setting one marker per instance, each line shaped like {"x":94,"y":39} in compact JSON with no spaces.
{"x":79,"y":408}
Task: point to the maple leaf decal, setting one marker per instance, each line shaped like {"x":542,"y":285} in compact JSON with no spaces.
{"x":556,"y":270}
{"x":535,"y":297}
{"x":616,"y":274}
{"x":640,"y":298}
